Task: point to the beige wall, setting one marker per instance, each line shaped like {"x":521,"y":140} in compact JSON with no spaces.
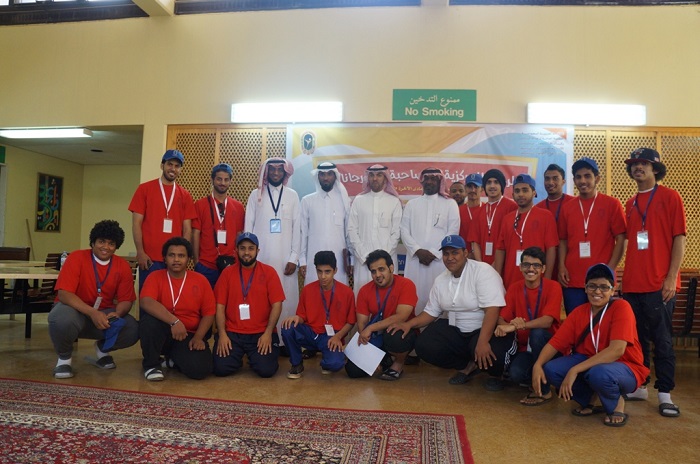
{"x":107,"y":191}
{"x":22,"y":181}
{"x":189,"y":69}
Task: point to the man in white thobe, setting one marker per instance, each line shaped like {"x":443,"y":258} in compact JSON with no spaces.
{"x":272,"y":214}
{"x":426,"y":220}
{"x":374,"y":222}
{"x":323,"y":222}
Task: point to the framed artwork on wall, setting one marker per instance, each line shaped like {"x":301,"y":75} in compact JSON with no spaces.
{"x":49,"y":203}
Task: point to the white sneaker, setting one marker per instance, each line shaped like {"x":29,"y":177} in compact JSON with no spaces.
{"x":154,"y":375}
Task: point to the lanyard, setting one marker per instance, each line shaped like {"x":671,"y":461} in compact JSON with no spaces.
{"x":469,"y":210}
{"x":527,"y":302}
{"x":596,"y":339}
{"x":218,"y":211}
{"x":489,"y":221}
{"x":279,"y":200}
{"x":382,"y":306}
{"x":179,"y":293}
{"x":97,"y":276}
{"x":590,"y":211}
{"x":327,"y":306}
{"x":522,"y":229}
{"x":245,"y":289}
{"x":172,"y":196}
{"x":556,"y":215}
{"x":646,"y":210}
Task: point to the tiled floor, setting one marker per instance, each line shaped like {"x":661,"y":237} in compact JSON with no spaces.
{"x":499,"y":429}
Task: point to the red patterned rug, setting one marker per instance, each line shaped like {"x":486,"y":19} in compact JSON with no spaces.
{"x":53,"y":423}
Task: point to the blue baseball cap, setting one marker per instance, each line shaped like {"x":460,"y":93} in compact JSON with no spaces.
{"x":173,"y":154}
{"x":223,"y":167}
{"x":251,"y":237}
{"x":525,"y":179}
{"x":585,"y":163}
{"x":453,"y":241}
{"x":610,"y":274}
{"x":475,"y":179}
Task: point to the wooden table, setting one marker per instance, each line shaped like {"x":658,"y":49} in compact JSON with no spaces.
{"x":16,"y":263}
{"x":25,"y":273}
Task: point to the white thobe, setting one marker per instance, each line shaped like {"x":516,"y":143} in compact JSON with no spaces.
{"x":278,"y":249}
{"x":374,"y":224}
{"x":323,"y":219}
{"x":426,"y":221}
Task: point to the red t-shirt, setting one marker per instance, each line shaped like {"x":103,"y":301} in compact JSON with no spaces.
{"x":605,"y":222}
{"x":480,"y":233}
{"x":537,"y":228}
{"x":196,"y":296}
{"x":467,"y":215}
{"x":618,"y":323}
{"x":403,"y":293}
{"x":265,"y":290}
{"x":78,"y":276}
{"x":645,"y":270}
{"x":341,"y":306}
{"x":233,"y":223}
{"x":555,"y":206}
{"x":148,"y":201}
{"x":550,"y":305}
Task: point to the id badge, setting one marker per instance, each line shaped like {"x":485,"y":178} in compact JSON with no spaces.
{"x":98,"y":302}
{"x":642,"y":240}
{"x":244,"y":311}
{"x":518,"y":257}
{"x":529,"y":348}
{"x":489,"y":249}
{"x":168,"y":226}
{"x":275,"y":226}
{"x":452,"y":318}
{"x":221,"y":237}
{"x":329,"y":330}
{"x":584,"y":249}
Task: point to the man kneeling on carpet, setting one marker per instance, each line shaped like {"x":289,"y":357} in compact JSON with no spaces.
{"x":178,"y":312}
{"x":388,"y":299}
{"x":606,"y":357}
{"x":325,"y":315}
{"x":532,"y":311}
{"x":249,"y":298}
{"x":95,"y":294}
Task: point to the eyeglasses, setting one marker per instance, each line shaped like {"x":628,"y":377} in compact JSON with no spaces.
{"x":603,"y":288}
{"x":526,"y":266}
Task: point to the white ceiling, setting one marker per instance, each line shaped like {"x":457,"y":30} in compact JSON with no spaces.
{"x":119,"y":145}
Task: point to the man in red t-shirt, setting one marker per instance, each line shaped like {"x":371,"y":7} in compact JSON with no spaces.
{"x":219,"y":220}
{"x":388,"y":299}
{"x":95,"y":294}
{"x":178,"y":312}
{"x":487,"y":224}
{"x":656,"y":230}
{"x":592,"y":230}
{"x":160,"y":209}
{"x":325,"y":315}
{"x":532,"y":311}
{"x":526,"y":227}
{"x":249,"y":299}
{"x":469,"y":210}
{"x":601,"y":354}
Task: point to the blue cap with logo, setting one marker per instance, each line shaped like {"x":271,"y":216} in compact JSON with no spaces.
{"x":453,"y":241}
{"x":251,"y":237}
{"x":585,"y":163}
{"x":173,"y":154}
{"x":474,"y":178}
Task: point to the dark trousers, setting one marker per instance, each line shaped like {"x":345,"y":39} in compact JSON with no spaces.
{"x":156,"y":340}
{"x":573,"y":298}
{"x":143,"y":274}
{"x":446,"y":346}
{"x":212,"y":275}
{"x":654,"y":326}
{"x":521,"y":364}
{"x":247,"y":344}
{"x":391,"y":343}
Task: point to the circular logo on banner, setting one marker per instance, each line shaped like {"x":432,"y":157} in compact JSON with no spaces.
{"x":308,"y":143}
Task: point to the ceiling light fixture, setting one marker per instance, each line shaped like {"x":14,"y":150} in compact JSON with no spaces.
{"x":587,"y":114}
{"x":287,"y":112}
{"x":46,"y":133}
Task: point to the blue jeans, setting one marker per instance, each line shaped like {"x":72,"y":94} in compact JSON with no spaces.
{"x":521,"y":364}
{"x":573,"y":298}
{"x":212,"y":275}
{"x":609,"y":381}
{"x":302,"y":336}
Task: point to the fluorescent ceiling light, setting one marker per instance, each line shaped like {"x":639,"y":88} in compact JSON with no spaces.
{"x":287,"y":112}
{"x":587,"y":114}
{"x":45,"y":133}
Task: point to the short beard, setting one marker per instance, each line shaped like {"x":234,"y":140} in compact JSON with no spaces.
{"x":275,"y":184}
{"x":327,"y":188}
{"x":247,"y":263}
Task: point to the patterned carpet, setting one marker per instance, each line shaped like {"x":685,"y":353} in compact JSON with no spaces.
{"x":54,"y":423}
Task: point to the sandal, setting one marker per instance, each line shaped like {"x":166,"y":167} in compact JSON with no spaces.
{"x":594,"y":410}
{"x":663,"y":407}
{"x":461,"y":378}
{"x":609,"y":422}
{"x":533,"y":399}
{"x":391,"y":374}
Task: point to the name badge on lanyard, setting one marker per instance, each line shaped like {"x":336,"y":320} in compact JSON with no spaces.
{"x":643,"y":240}
{"x":168,"y":226}
{"x":221,"y":237}
{"x":518,"y":257}
{"x":330,"y":331}
{"x":584,"y":249}
{"x":275,"y":223}
{"x":489,"y":249}
{"x":452,"y":318}
{"x":167,"y":222}
{"x":244,"y":311}
{"x":275,"y":226}
{"x":98,"y":302}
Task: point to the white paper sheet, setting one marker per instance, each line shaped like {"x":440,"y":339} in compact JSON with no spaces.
{"x":366,"y":357}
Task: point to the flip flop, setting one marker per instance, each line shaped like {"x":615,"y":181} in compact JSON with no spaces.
{"x":594,"y":410}
{"x":663,"y":407}
{"x":539,"y":399}
{"x":610,"y":423}
{"x":460,"y":378}
{"x":391,"y":374}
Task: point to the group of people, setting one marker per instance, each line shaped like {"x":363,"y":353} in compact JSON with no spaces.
{"x":450,"y":308}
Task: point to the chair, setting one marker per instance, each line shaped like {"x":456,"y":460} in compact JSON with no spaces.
{"x":13,"y":292}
